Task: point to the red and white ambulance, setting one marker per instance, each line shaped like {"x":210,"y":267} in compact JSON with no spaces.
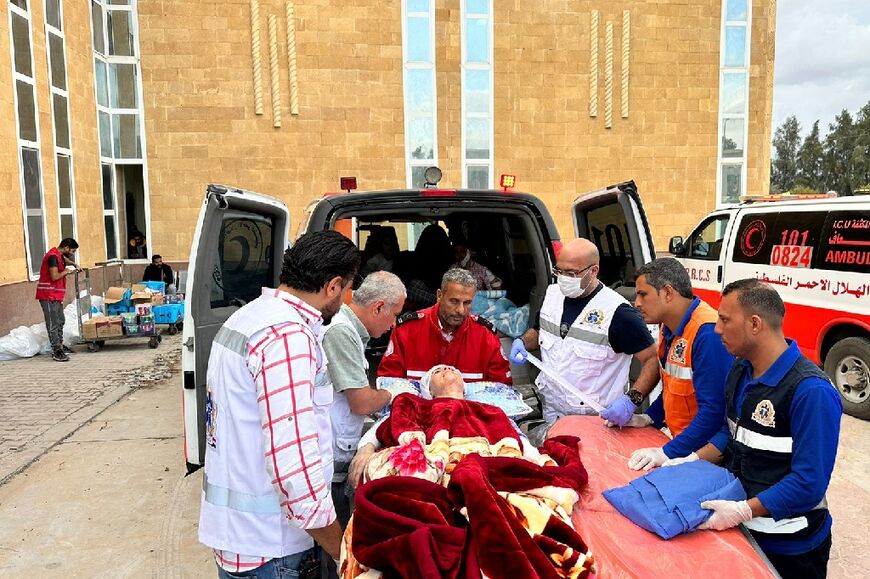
{"x":815,"y":250}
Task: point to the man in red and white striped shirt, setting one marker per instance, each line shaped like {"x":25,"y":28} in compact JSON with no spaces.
{"x":266,"y":494}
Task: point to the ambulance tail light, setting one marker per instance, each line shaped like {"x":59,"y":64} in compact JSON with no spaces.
{"x":437,"y":192}
{"x":557,"y":247}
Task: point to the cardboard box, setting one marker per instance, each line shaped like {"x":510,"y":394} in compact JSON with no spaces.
{"x":116,"y":295}
{"x":89,"y":329}
{"x":110,"y":327}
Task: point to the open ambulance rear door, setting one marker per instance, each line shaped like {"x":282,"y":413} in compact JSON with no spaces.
{"x":613,"y":219}
{"x":237,"y":249}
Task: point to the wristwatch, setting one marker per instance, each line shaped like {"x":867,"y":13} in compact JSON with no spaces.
{"x":635,"y":396}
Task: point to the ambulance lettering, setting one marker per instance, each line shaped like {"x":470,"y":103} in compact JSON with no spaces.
{"x":697,"y":274}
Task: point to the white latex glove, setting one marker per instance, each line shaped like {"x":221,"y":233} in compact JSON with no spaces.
{"x":690,"y":458}
{"x":636,"y":421}
{"x":647,"y":458}
{"x":358,"y":464}
{"x":397,"y":387}
{"x":726,"y":514}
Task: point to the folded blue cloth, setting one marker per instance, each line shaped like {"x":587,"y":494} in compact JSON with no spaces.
{"x":667,"y":501}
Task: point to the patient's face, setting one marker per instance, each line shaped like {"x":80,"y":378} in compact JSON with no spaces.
{"x":447,"y":383}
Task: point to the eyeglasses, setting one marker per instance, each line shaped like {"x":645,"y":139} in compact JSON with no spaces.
{"x":570,"y":272}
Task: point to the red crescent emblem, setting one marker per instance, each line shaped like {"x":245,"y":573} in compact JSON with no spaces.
{"x":753,"y":238}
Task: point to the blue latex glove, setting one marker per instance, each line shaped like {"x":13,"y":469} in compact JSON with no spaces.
{"x":518,"y":352}
{"x":620,"y":412}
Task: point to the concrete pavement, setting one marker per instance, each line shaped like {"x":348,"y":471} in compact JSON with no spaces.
{"x":43,"y":401}
{"x":109,"y":497}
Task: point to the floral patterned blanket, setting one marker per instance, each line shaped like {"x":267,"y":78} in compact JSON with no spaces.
{"x":452,"y":497}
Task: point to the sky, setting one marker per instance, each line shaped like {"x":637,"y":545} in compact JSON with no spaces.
{"x":822,"y":61}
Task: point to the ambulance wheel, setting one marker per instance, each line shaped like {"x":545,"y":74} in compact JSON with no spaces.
{"x":94,"y":346}
{"x":848,"y":366}
{"x":172,"y":329}
{"x":152,"y":343}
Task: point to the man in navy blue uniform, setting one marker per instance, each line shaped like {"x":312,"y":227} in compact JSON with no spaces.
{"x":780,"y":437}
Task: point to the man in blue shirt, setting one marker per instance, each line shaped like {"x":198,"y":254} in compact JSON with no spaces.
{"x":781,"y":435}
{"x":694,"y":363}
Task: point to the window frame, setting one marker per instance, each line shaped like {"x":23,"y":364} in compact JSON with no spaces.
{"x":58,"y":150}
{"x":139,"y":112}
{"x":412,"y":163}
{"x":733,"y":161}
{"x":465,"y":115}
{"x":22,"y":144}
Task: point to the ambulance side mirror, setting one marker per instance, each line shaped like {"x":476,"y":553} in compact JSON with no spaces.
{"x":676,"y":246}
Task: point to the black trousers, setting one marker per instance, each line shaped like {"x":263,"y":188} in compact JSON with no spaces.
{"x":810,"y":565}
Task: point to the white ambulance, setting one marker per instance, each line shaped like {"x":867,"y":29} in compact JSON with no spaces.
{"x":815,"y":250}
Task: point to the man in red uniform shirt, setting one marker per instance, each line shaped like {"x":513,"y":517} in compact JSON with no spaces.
{"x":446,"y":334}
{"x":50,"y":291}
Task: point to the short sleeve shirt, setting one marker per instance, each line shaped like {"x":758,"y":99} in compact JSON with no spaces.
{"x":345,"y":367}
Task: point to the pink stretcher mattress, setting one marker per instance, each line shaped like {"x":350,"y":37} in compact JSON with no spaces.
{"x":621,"y":548}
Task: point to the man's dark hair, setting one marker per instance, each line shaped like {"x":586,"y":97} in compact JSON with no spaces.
{"x":68,"y":242}
{"x":318,"y":257}
{"x":758,"y":299}
{"x":155,"y":257}
{"x":666,"y":271}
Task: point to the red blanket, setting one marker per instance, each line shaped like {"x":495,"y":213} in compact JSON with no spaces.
{"x":460,"y":418}
{"x":412,"y":528}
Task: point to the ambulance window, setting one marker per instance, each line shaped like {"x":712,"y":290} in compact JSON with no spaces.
{"x":706,"y":241}
{"x":609,"y":232}
{"x":845,"y":242}
{"x":759,"y":233}
{"x":243,"y":262}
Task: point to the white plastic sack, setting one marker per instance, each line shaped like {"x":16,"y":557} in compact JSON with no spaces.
{"x":23,"y":342}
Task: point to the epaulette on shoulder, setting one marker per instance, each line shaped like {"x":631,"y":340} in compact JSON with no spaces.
{"x":484,"y":322}
{"x":409,"y":316}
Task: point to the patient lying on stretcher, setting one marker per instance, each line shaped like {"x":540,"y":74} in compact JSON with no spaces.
{"x":448,"y":485}
{"x":445,"y":383}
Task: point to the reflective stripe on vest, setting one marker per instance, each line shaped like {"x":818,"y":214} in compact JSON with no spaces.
{"x":760,"y":441}
{"x":576,"y":333}
{"x":680,"y":372}
{"x":239,"y":501}
{"x":783,"y":526}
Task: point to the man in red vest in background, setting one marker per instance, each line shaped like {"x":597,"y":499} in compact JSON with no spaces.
{"x":50,"y":291}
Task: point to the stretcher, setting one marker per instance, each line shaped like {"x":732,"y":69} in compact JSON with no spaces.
{"x":622,"y":550}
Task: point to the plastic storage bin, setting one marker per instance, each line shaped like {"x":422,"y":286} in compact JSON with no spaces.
{"x":168,"y":313}
{"x":157,"y":286}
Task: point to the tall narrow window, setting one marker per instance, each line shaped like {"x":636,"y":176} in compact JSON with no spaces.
{"x":477,"y":101}
{"x":56,"y":53}
{"x":733,"y":100}
{"x":418,"y":41}
{"x":120,"y":128}
{"x":32,"y":199}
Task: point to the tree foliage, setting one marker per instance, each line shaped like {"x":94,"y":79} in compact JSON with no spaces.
{"x":840,"y":161}
{"x":786,"y":142}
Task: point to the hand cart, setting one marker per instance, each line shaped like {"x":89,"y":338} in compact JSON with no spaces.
{"x":84,"y":291}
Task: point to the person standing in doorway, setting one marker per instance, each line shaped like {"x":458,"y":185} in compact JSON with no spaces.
{"x":50,"y":291}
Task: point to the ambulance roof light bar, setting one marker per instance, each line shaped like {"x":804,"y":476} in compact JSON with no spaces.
{"x":787,"y":197}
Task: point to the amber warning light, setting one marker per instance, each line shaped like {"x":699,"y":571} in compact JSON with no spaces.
{"x":507,"y":182}
{"x":348,"y":183}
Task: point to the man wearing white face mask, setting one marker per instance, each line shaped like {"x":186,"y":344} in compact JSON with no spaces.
{"x":587,"y":334}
